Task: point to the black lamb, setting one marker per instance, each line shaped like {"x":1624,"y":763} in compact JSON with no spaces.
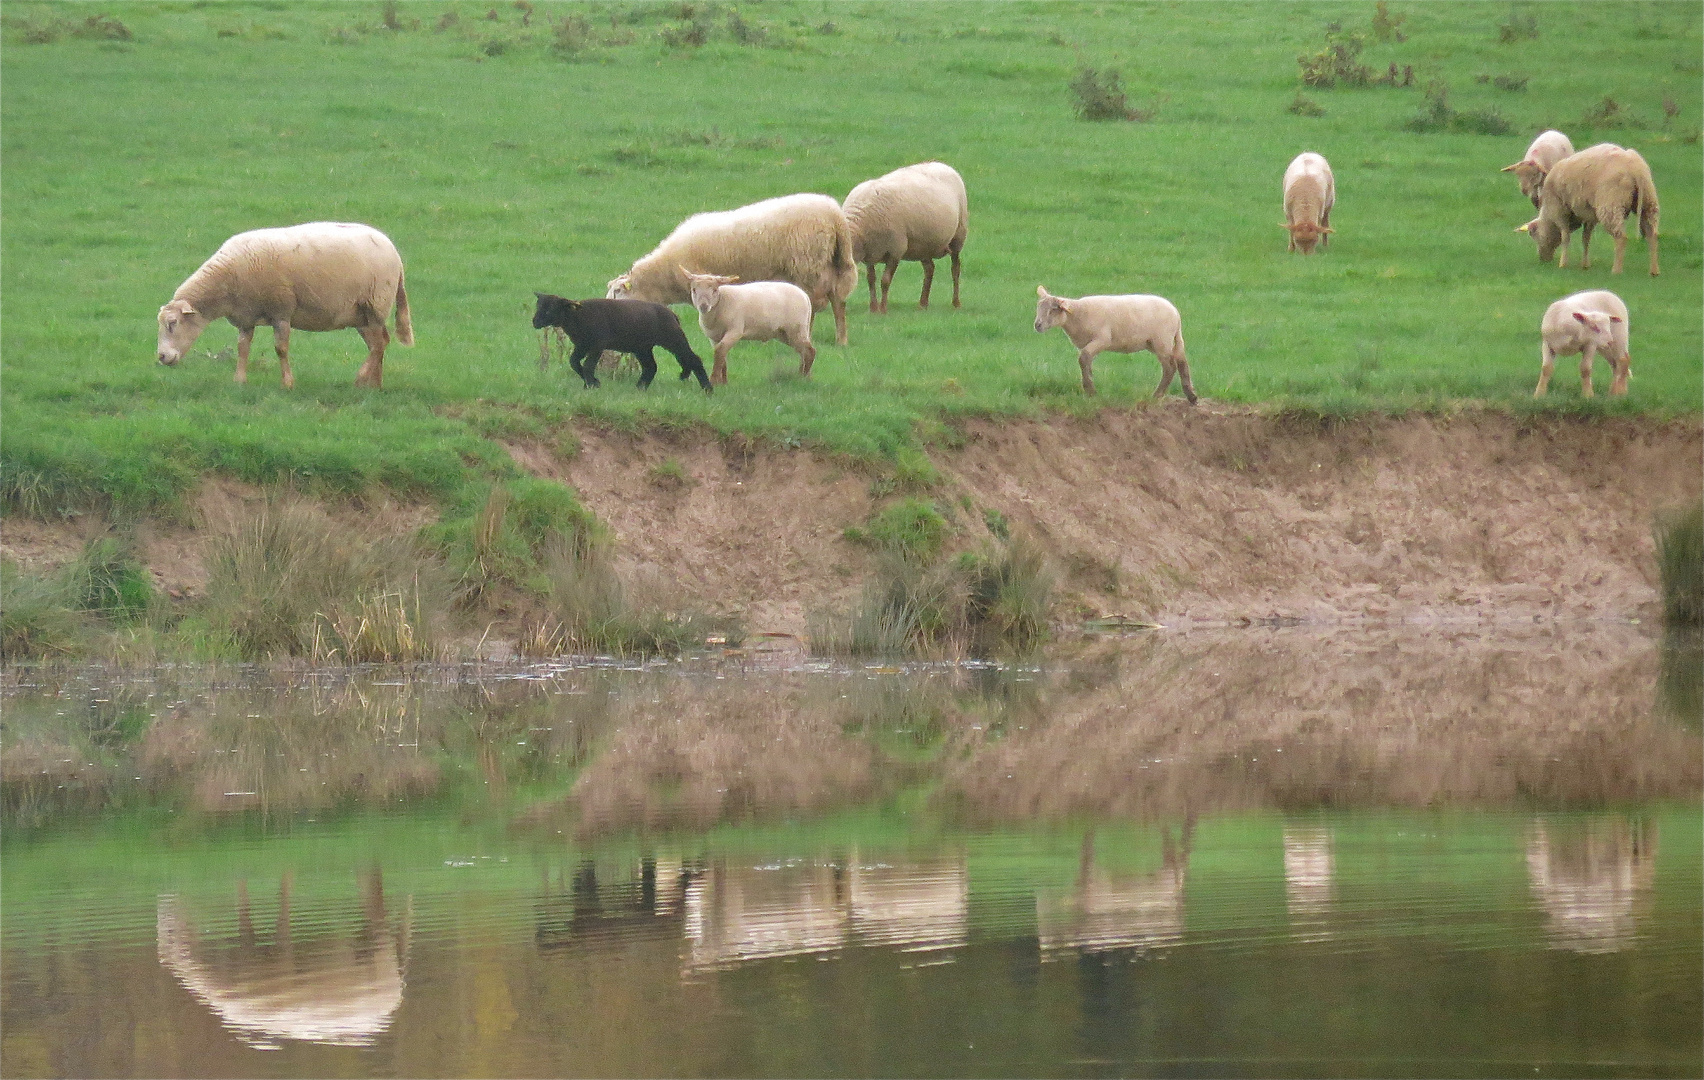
{"x":629,"y":326}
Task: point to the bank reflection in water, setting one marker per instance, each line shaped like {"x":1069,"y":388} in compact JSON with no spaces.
{"x":1106,"y":910}
{"x":330,"y":988}
{"x":1308,"y":870}
{"x":1591,"y":878}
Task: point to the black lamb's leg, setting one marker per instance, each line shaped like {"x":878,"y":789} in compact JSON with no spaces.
{"x":587,"y":371}
{"x":692,"y":364}
{"x":647,"y":366}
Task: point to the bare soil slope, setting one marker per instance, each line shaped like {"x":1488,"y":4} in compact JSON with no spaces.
{"x":1188,"y":516}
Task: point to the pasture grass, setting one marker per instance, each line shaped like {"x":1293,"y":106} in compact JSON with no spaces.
{"x":550,"y":146}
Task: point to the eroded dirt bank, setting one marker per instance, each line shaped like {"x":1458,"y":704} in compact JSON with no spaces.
{"x":1187,"y":516}
{"x":1181,"y":516}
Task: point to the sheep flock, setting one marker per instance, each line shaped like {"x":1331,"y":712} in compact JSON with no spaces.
{"x":762,"y":271}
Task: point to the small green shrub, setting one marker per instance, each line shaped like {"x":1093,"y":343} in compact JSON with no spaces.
{"x":1609,"y":113}
{"x":37,"y":617}
{"x":670,"y":474}
{"x":746,"y":33}
{"x":690,"y":34}
{"x":1520,"y":26}
{"x":911,"y":528}
{"x":1338,"y":62}
{"x":1438,"y":115}
{"x":107,"y":579}
{"x":1680,"y":562}
{"x":1514,"y":84}
{"x":1100,"y":96}
{"x":587,"y":609}
{"x":913,"y":471}
{"x":1388,"y":27}
{"x":570,"y":36}
{"x":996,"y":522}
{"x":1305,"y":106}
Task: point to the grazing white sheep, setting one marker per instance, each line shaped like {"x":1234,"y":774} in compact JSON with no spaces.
{"x":1542,"y":156}
{"x":916,"y":214}
{"x":759,"y":311}
{"x":803,"y":239}
{"x":1309,"y":194}
{"x":1587,"y":323}
{"x":1600,"y":185}
{"x":325,"y":275}
{"x":1097,"y":324}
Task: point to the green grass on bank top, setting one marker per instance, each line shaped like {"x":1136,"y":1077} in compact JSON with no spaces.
{"x":500,"y":165}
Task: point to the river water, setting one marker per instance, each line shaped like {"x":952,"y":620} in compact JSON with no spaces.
{"x":1427,"y":852}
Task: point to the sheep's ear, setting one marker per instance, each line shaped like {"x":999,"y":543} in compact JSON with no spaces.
{"x":538,"y":295}
{"x":1041,"y":290}
{"x":1512,"y":168}
{"x":1581,"y":316}
{"x":1527,"y":228}
{"x":571,"y":304}
{"x":1064,"y":305}
{"x":1322,"y":232}
{"x":187,"y":310}
{"x":1615,"y":318}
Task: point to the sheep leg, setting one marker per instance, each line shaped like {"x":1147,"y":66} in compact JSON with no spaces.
{"x":1587,"y":355}
{"x":957,"y":266}
{"x":372,"y":373}
{"x":719,"y":370}
{"x":1325,"y":223}
{"x":806,"y":351}
{"x":245,"y":338}
{"x":840,"y":320}
{"x":1188,"y":383}
{"x":1167,"y":371}
{"x":1620,"y":250}
{"x":690,"y":365}
{"x":281,"y":346}
{"x":1544,"y":372}
{"x":647,"y":366}
{"x":928,"y":280}
{"x":887,"y":280}
{"x":1651,"y":242}
{"x":875,"y":307}
{"x":588,"y":372}
{"x":1086,"y":361}
{"x":1586,"y":245}
{"x":544,"y":349}
{"x":1622,"y":370}
{"x":1562,"y":249}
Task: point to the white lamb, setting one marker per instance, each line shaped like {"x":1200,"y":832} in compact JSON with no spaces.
{"x":803,"y":239}
{"x":758,"y":311}
{"x":1097,"y":324}
{"x":1542,"y":156}
{"x":1309,"y":194}
{"x":1587,"y":323}
{"x":917,"y":214}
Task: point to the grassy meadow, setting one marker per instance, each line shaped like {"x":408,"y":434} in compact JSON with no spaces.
{"x":547,"y":146}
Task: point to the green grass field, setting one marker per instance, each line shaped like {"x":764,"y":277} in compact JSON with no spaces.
{"x":501,"y":165}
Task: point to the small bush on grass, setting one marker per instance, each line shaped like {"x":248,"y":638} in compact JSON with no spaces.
{"x":1680,"y":561}
{"x":1099,"y":96}
{"x":570,"y":36}
{"x":1438,"y":115}
{"x":1388,"y":27}
{"x":587,"y":610}
{"x":501,"y":538}
{"x":911,"y":528}
{"x":107,"y":579}
{"x":1338,"y":62}
{"x":1610,"y":114}
{"x":1305,"y":106}
{"x":1520,"y":26}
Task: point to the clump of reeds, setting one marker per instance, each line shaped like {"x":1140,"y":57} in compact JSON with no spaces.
{"x":52,"y":614}
{"x":1680,"y":561}
{"x":287,"y":581}
{"x":1439,"y":115}
{"x":983,"y":603}
{"x":587,"y":609}
{"x":1339,"y":61}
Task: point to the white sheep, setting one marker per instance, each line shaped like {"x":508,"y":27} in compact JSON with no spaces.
{"x":758,"y":311}
{"x":1587,"y":323}
{"x":803,"y":239}
{"x":325,"y":275}
{"x":1542,"y":156}
{"x":1600,"y":185}
{"x":1309,"y":194}
{"x":916,"y":214}
{"x":1097,"y":324}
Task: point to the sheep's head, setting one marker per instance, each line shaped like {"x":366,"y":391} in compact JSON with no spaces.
{"x":1050,"y":310}
{"x":620,"y":288}
{"x":180,"y":325}
{"x":705,"y":287}
{"x":1599,"y":328}
{"x":551,"y":310}
{"x":1546,"y":234}
{"x":1307,"y":235}
{"x":1531,"y":176}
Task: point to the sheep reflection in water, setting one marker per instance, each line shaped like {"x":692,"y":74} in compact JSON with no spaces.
{"x":336,"y":990}
{"x":1118,"y":911}
{"x":1590,"y":878}
{"x":1309,"y":866}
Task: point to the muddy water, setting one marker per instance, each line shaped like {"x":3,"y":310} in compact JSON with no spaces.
{"x":1250,"y":853}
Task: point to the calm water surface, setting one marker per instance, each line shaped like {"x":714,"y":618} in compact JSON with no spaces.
{"x":1238,"y":853}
